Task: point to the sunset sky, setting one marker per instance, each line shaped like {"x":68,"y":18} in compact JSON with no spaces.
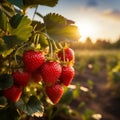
{"x":95,"y":18}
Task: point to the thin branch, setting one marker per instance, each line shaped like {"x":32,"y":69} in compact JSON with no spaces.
{"x":34,"y":13}
{"x":5,"y":11}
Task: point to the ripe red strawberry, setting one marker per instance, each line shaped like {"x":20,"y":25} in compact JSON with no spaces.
{"x":55,"y":92}
{"x":68,"y":53}
{"x":67,"y":75}
{"x":21,"y":78}
{"x":33,"y":60}
{"x":36,"y":76}
{"x":13,"y":93}
{"x":51,"y":71}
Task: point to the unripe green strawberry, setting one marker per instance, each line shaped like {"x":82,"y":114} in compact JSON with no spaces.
{"x":67,"y":75}
{"x":68,"y":53}
{"x":36,"y":76}
{"x":21,"y":78}
{"x":13,"y":93}
{"x":51,"y":71}
{"x":33,"y":60}
{"x":55,"y":92}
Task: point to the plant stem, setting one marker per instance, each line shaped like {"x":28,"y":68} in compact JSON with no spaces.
{"x":50,"y":48}
{"x":6,"y":12}
{"x":37,"y":39}
{"x":34,"y":13}
{"x":17,"y":52}
{"x":63,"y":54}
{"x":54,"y":44}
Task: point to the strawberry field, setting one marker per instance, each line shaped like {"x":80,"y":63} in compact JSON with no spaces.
{"x":45,"y":77}
{"x":97,"y":73}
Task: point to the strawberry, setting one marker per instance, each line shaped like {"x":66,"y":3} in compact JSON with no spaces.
{"x":55,"y":92}
{"x":51,"y":71}
{"x":68,"y":54}
{"x":13,"y":93}
{"x":33,"y":60}
{"x":36,"y":76}
{"x":67,"y":75}
{"x":21,"y":78}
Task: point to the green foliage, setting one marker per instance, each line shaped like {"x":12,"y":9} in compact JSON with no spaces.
{"x":8,"y":7}
{"x":6,"y":81}
{"x":114,"y":79}
{"x":87,"y":115}
{"x":38,"y":26}
{"x":31,"y":3}
{"x":2,"y":46}
{"x":20,"y":31}
{"x":32,"y":107}
{"x":3,"y":21}
{"x":115,"y":74}
{"x":9,"y":113}
{"x":59,"y":28}
{"x":15,"y":20}
{"x":17,"y":3}
{"x":3,"y":101}
{"x":50,"y":3}
{"x":68,"y":94}
{"x":43,"y":40}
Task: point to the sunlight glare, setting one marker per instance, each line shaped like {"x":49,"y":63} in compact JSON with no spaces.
{"x":87,"y":28}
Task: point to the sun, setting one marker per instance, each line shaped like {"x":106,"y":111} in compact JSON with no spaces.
{"x":87,"y":29}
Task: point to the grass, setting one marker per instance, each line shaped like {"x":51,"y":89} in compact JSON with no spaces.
{"x":97,"y":52}
{"x":96,"y":59}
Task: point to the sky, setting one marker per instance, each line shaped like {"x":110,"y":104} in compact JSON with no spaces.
{"x":97,"y":19}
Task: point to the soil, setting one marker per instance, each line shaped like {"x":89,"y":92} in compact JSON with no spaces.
{"x":105,"y":102}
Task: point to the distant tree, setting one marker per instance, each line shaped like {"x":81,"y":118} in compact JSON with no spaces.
{"x":88,"y":43}
{"x":103,"y":44}
{"x":117,"y":44}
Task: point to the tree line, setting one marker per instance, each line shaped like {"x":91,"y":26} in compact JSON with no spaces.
{"x":99,"y":44}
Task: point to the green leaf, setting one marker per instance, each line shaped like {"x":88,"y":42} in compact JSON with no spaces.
{"x":50,"y":3}
{"x":21,"y":105}
{"x":2,"y":46}
{"x":24,"y":28}
{"x":54,"y":20}
{"x":38,"y":26}
{"x":43,"y":40}
{"x":8,"y":7}
{"x":33,"y":107}
{"x":9,"y":114}
{"x":20,"y":30}
{"x":18,"y":3}
{"x":15,"y":20}
{"x":4,"y":51}
{"x":3,"y":101}
{"x":7,"y":52}
{"x":3,"y":21}
{"x":68,"y":94}
{"x":69,"y":32}
{"x":6,"y":81}
{"x":11,"y":41}
{"x":59,"y":28}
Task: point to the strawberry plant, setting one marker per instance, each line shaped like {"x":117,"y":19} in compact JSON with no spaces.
{"x":34,"y":58}
{"x":114,"y":81}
